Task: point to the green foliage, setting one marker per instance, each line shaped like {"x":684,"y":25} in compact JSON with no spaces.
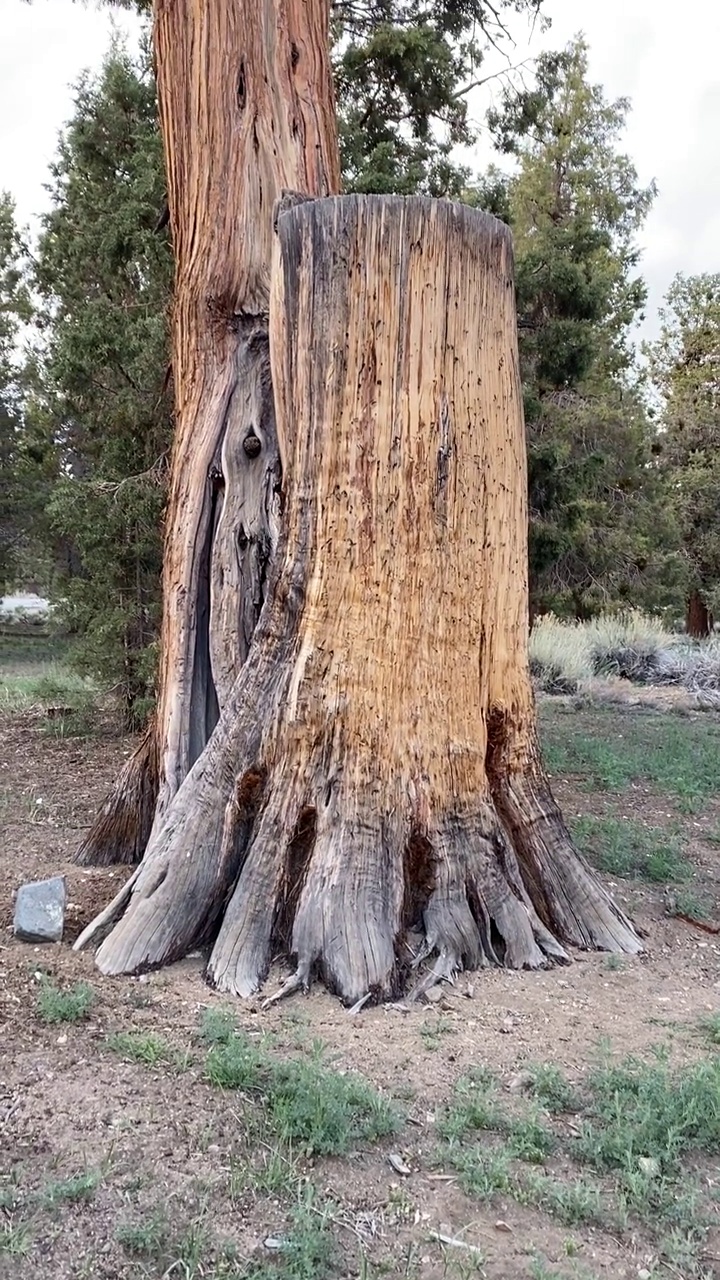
{"x":677,"y":756}
{"x":80,"y":1187}
{"x":19,"y":501}
{"x":15,"y":1239}
{"x":145,"y":1238}
{"x":551,"y":1089}
{"x":403,"y":71}
{"x":307,"y":1250}
{"x":54,"y":1005}
{"x":97,"y":394}
{"x":684,"y":364}
{"x":621,"y":847}
{"x":141,"y":1046}
{"x":307,"y":1105}
{"x":710,"y":1026}
{"x":599,"y":535}
{"x":642,"y":1112}
{"x":636,"y":1127}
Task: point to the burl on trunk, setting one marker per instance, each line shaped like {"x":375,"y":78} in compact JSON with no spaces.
{"x":372,"y":795}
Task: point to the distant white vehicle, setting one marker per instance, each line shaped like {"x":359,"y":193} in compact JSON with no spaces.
{"x":23,"y":604}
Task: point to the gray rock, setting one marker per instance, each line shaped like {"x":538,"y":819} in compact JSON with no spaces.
{"x":40,"y":910}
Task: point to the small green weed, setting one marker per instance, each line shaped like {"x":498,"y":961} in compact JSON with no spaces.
{"x":529,"y":1139}
{"x":55,"y":1005}
{"x":274,"y":1172}
{"x":142,"y":1046}
{"x":432,"y":1032}
{"x":146,"y":1238}
{"x":642,"y":1112}
{"x":483,"y":1171}
{"x":573,"y":1201}
{"x":636,"y":1124}
{"x":81,"y":1187}
{"x":15,"y":1239}
{"x":550,"y":1087}
{"x":474,"y":1106}
{"x":218,"y":1026}
{"x":308,"y":1249}
{"x":694,"y":904}
{"x":710,"y":1026}
{"x":308,"y":1106}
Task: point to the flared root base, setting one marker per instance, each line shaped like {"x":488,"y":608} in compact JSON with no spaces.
{"x":368,"y":903}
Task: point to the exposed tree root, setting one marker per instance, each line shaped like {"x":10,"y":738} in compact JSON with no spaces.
{"x":121,"y":830}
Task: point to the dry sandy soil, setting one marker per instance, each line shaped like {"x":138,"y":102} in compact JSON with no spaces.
{"x":160,"y":1139}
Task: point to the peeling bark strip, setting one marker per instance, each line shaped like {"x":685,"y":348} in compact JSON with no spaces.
{"x":247,"y":111}
{"x":384,"y":711}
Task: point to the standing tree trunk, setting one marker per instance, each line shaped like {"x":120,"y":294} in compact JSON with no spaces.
{"x":698,"y":618}
{"x":372,"y":793}
{"x":247,"y":111}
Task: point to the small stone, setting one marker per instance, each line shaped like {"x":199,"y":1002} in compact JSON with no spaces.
{"x":470,"y":991}
{"x":649,"y":1166}
{"x":399,"y":1164}
{"x":62,"y":1040}
{"x":644,"y":1274}
{"x":501,"y":1225}
{"x":434,"y":995}
{"x":274,"y":1243}
{"x":40,"y":910}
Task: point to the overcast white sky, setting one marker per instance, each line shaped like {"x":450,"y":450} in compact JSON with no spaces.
{"x":664,"y":58}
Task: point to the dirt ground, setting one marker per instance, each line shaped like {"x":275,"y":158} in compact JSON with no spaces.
{"x":67,"y":1103}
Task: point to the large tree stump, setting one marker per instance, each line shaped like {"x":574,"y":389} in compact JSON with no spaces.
{"x":374,"y":778}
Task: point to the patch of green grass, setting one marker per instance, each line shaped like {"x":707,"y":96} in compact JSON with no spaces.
{"x":550,"y":1087}
{"x":573,"y":1201}
{"x":474,"y":1106}
{"x":432,"y":1032}
{"x":187,"y":1252}
{"x":81,"y":1187}
{"x":146,"y":1238}
{"x":15,"y":1239}
{"x":142,"y":1046}
{"x":710,"y":1027}
{"x":308,"y":1249}
{"x":621,"y":847}
{"x":610,"y":750}
{"x":47,"y":686}
{"x":483,"y":1171}
{"x":636,"y":1127}
{"x":529,"y":1138}
{"x":55,"y":1005}
{"x":218,"y":1026}
{"x":694,"y":904}
{"x":643,"y":1112}
{"x":318,"y":1111}
{"x":273,"y":1172}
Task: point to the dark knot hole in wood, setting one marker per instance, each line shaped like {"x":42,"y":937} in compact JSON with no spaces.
{"x":241,"y":89}
{"x":252,"y":445}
